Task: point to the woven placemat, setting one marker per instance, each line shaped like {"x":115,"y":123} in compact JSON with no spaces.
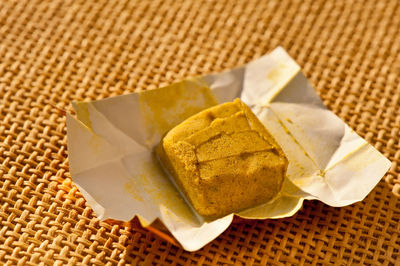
{"x":54,"y":52}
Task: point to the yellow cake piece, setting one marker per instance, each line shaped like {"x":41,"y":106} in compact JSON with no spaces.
{"x":223,"y":160}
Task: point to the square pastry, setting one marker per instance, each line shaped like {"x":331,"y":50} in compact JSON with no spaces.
{"x":223,"y":160}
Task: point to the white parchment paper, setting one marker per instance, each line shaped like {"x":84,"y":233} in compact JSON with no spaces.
{"x":110,"y":147}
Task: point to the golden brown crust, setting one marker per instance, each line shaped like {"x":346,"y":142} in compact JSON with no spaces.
{"x":224,"y":160}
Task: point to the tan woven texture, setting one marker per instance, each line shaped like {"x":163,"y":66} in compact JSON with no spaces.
{"x":52,"y":53}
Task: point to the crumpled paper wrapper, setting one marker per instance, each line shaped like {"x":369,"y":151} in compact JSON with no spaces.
{"x":111,"y":143}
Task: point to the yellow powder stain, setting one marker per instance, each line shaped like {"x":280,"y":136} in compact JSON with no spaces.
{"x":130,"y":188}
{"x":299,"y":183}
{"x":289,"y":120}
{"x":95,"y":142}
{"x":295,"y":140}
{"x":282,"y":65}
{"x":83,"y":114}
{"x":356,"y":162}
{"x":164,"y":108}
{"x":165,"y":191}
{"x":274,"y":75}
{"x":298,"y":165}
{"x":152,"y":184}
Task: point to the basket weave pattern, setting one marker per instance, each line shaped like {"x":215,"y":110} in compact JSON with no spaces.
{"x":54,"y":52}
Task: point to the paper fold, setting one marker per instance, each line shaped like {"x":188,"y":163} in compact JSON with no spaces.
{"x":111,"y":143}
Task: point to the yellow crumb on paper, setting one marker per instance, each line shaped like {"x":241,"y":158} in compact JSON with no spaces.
{"x":289,"y":120}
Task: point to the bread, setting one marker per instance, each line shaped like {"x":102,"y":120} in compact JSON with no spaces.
{"x":223,"y":160}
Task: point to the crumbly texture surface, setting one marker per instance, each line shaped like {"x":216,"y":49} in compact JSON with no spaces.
{"x":224,"y":160}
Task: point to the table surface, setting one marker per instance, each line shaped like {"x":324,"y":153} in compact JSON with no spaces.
{"x":54,"y":52}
